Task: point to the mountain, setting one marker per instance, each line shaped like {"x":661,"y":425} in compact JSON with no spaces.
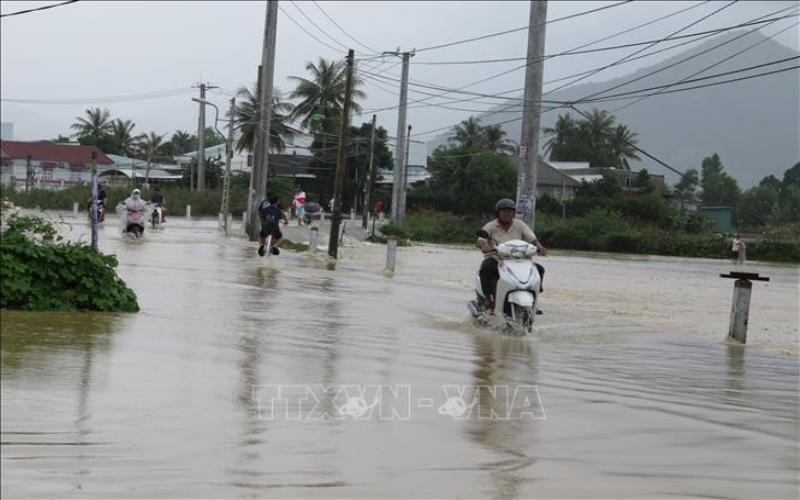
{"x":754,"y":125}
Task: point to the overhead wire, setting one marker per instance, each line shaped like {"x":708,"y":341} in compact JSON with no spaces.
{"x":341,"y":29}
{"x":28,"y":11}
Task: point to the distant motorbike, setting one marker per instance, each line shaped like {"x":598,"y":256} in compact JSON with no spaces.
{"x":517,"y":290}
{"x":100,"y":207}
{"x":156,"y":217}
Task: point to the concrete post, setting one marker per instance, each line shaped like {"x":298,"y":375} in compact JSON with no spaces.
{"x":75,"y":209}
{"x":188,"y":211}
{"x":391,"y":253}
{"x":740,"y":308}
{"x":313,"y":236}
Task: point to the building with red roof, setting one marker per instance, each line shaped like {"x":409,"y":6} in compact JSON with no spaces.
{"x":50,"y":165}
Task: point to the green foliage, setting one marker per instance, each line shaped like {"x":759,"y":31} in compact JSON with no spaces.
{"x":595,"y":139}
{"x":39,"y":275}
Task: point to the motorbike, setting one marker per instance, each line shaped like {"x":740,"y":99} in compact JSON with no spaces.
{"x":517,"y":290}
{"x":100,"y":207}
{"x":156,"y":217}
{"x":134,"y":218}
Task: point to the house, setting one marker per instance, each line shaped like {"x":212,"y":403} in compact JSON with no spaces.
{"x":48,"y":165}
{"x":127,"y":169}
{"x":553,"y":182}
{"x":414,"y":174}
{"x":580,"y":171}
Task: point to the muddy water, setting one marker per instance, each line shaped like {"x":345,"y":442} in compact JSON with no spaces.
{"x":624,"y":390}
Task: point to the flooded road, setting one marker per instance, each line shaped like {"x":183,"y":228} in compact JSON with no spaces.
{"x":217,"y":388}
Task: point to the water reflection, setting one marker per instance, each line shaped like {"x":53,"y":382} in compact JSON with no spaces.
{"x":505,"y":372}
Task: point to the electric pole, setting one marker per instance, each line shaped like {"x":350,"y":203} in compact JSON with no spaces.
{"x":93,"y":208}
{"x":201,"y":141}
{"x":226,"y":183}
{"x":333,"y":240}
{"x":368,"y":182}
{"x":255,"y":161}
{"x":531,"y":114}
{"x":399,"y":165}
{"x":265,"y":115}
{"x":405,"y":176}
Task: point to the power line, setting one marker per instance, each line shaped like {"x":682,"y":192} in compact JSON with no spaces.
{"x":712,"y":66}
{"x":316,"y":25}
{"x":308,"y":32}
{"x":38,"y":9}
{"x":342,"y":30}
{"x":98,"y":100}
{"x":483,"y":37}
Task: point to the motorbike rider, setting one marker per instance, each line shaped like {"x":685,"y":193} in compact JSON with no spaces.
{"x":271,"y":213}
{"x":102,"y":202}
{"x":157,"y":198}
{"x":502,"y":229}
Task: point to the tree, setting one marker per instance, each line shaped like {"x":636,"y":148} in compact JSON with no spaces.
{"x":687,"y":186}
{"x":719,"y":189}
{"x":95,"y":125}
{"x":246,"y":118}
{"x":469,"y":134}
{"x":212,"y":137}
{"x":596,"y":139}
{"x":149,"y":146}
{"x":643,"y":182}
{"x":122,"y":134}
{"x":323,"y":94}
{"x":560,"y":136}
{"x":622,"y":143}
{"x":182,"y":142}
{"x":771,"y":182}
{"x":497,"y":142}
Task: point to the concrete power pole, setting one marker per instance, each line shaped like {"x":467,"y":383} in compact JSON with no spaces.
{"x":255,"y":161}
{"x":368,"y":182}
{"x":336,"y":217}
{"x":226,"y":183}
{"x":404,"y":191}
{"x":398,"y":194}
{"x":265,"y":115}
{"x":531,"y":114}
{"x":201,"y":142}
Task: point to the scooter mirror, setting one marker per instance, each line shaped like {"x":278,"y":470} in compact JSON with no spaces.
{"x":482,"y":234}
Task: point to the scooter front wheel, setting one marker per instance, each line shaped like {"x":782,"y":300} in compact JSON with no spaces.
{"x":522,"y":317}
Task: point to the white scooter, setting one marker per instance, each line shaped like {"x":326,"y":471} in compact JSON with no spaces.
{"x":156,"y":217}
{"x":517,"y":291}
{"x":134,"y":218}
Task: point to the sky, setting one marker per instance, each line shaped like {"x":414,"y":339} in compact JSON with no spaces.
{"x":77,"y":54}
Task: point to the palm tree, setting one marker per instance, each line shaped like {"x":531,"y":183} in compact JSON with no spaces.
{"x":122,"y":133}
{"x":246,"y":118}
{"x":496,"y":142}
{"x":182,"y":142}
{"x":622,"y":142}
{"x":149,"y":146}
{"x":597,"y":127}
{"x":560,"y":135}
{"x":96,"y":124}
{"x":469,"y":134}
{"x":323,"y":94}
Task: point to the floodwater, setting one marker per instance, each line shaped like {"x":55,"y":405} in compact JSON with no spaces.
{"x":216,"y":389}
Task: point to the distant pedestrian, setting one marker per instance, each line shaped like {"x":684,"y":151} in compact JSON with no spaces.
{"x":738,"y":250}
{"x":299,"y":202}
{"x":379,"y":208}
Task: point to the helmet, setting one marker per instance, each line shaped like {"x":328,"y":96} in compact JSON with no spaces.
{"x":505,"y":203}
{"x":136,"y":191}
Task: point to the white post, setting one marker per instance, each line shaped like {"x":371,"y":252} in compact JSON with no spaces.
{"x":228,"y":223}
{"x":220,"y":221}
{"x":312,"y":239}
{"x":75,"y":209}
{"x":391,"y":253}
{"x":740,"y":311}
{"x":352,"y":214}
{"x":188,"y":211}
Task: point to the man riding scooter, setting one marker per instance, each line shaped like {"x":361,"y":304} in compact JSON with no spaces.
{"x":502,"y":229}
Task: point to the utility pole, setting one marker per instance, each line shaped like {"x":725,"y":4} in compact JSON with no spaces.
{"x":201,"y":141}
{"x":333,"y":240}
{"x":94,"y":200}
{"x":265,"y":107}
{"x":368,"y":182}
{"x":255,"y":163}
{"x":28,"y":173}
{"x":531,"y":114}
{"x":399,"y":165}
{"x":405,"y":175}
{"x":226,"y":183}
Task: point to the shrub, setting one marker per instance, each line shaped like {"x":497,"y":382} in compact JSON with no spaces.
{"x":40,"y":272}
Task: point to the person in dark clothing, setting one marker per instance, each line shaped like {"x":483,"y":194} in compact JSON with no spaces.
{"x":271,"y":214}
{"x":158,"y":198}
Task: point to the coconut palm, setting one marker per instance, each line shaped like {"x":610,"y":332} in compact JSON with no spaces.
{"x":622,"y":143}
{"x":122,"y":134}
{"x":560,"y":135}
{"x":469,"y":134}
{"x":182,"y":142}
{"x":597,"y":127}
{"x":148,"y":147}
{"x":495,"y":140}
{"x":323,"y":94}
{"x":246,"y":118}
{"x":96,"y":124}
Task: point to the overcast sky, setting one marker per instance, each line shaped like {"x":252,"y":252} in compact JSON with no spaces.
{"x":95,"y":49}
